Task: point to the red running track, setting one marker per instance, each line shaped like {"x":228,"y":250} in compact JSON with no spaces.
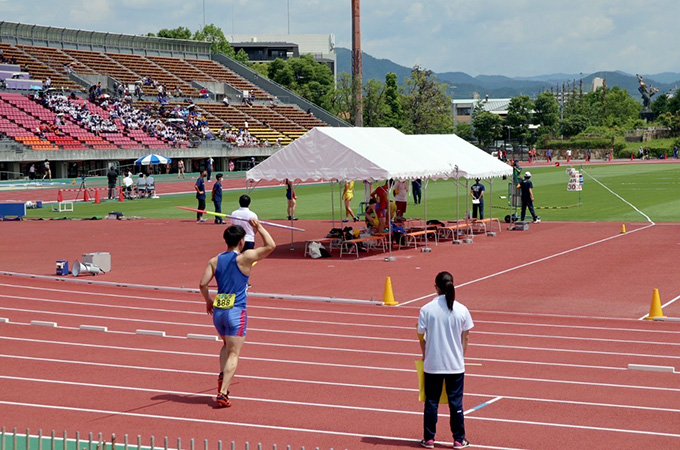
{"x":330,"y":376}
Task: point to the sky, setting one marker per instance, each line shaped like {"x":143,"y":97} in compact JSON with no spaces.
{"x":490,"y":37}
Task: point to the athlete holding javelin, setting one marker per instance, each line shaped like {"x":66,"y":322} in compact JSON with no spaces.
{"x":231,"y":270}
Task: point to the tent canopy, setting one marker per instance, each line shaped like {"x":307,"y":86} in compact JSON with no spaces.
{"x":328,"y":153}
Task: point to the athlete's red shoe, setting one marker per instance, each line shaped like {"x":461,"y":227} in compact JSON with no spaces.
{"x":223,"y":400}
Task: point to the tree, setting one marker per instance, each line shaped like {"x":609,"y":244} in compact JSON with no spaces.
{"x":342,"y":99}
{"x":546,"y":113}
{"x":306,"y":77}
{"x":519,"y":117}
{"x":175,"y":33}
{"x":487,"y":126}
{"x":214,"y":35}
{"x":242,"y":57}
{"x":464,"y":131}
{"x":375,"y":110}
{"x":395,"y":113}
{"x":427,"y":108}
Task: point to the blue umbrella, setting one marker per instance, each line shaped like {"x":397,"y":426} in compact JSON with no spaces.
{"x":152,"y":159}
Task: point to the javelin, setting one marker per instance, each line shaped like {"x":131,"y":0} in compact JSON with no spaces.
{"x":271,"y":224}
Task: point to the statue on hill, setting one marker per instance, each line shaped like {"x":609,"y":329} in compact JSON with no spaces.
{"x":646,"y":91}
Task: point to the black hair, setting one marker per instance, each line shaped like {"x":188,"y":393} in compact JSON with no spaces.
{"x":372,"y":201}
{"x":444,"y":281}
{"x":218,"y":176}
{"x":233,"y":235}
{"x":244,"y":201}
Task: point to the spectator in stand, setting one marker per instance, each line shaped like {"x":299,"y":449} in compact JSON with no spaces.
{"x":225,"y":101}
{"x":48,"y":83}
{"x":204,"y":93}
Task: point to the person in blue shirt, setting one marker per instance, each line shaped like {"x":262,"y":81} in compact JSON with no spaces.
{"x":200,"y":196}
{"x":527,"y":190}
{"x":217,"y":197}
{"x":231,"y":270}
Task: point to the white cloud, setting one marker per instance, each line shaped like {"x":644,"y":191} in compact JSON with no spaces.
{"x":522,"y":37}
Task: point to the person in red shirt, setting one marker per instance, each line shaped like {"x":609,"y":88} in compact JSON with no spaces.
{"x":381,"y":195}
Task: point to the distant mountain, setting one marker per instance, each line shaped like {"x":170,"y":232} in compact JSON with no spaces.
{"x":464,"y":86}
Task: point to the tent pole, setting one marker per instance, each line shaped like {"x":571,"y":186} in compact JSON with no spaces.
{"x":491,"y":232}
{"x":388,"y":213}
{"x":468,"y":229}
{"x":332,"y":205}
{"x":427,"y":248}
{"x":455,"y":236}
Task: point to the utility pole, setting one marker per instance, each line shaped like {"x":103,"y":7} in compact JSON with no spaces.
{"x":357,"y":85}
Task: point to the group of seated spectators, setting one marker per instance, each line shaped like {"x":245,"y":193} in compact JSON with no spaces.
{"x":144,"y":186}
{"x":80,"y":113}
{"x":239,"y":138}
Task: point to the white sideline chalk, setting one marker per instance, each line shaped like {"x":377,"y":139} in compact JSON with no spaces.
{"x":94,"y":328}
{"x":4,"y":320}
{"x":204,"y":337}
{"x":42,"y":323}
{"x":647,"y":368}
{"x":151,"y":333}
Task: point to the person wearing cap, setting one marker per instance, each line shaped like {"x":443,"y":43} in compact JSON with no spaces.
{"x":477,"y":194}
{"x":526,"y":187}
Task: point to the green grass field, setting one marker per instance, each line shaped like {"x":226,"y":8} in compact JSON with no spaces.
{"x":652,"y":188}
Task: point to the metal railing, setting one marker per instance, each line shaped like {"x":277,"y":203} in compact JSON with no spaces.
{"x":12,"y":440}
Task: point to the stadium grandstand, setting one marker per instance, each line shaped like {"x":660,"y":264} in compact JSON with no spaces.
{"x":83,"y":99}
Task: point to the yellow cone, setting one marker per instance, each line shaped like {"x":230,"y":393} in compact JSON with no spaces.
{"x":623,"y":228}
{"x":388,"y":295}
{"x":655,"y":308}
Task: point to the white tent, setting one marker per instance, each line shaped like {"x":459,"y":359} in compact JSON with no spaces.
{"x":343,"y":154}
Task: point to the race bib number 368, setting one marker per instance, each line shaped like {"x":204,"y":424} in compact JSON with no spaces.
{"x":224,"y":301}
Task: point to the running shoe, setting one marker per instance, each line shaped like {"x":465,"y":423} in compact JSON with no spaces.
{"x":223,"y":400}
{"x":461,"y":444}
{"x":427,"y":444}
{"x":537,"y":220}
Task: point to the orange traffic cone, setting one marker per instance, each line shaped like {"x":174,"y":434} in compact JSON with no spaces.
{"x":623,"y":228}
{"x":388,"y":295}
{"x":97,"y":200}
{"x":655,"y":308}
{"x":86,"y":196}
{"x":121,"y":197}
{"x":60,"y":198}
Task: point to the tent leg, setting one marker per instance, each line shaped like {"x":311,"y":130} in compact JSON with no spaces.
{"x":455,"y":240}
{"x":491,"y":232}
{"x":427,"y":248}
{"x":468,"y":229}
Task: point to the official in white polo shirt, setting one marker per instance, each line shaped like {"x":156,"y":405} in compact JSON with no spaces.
{"x":443,"y":328}
{"x":245,"y":214}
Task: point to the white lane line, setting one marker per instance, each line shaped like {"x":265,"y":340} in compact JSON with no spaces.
{"x":326,"y":383}
{"x":350,"y":366}
{"x":530,"y":263}
{"x":204,"y":421}
{"x":619,"y":197}
{"x":185,"y":324}
{"x":325,"y":432}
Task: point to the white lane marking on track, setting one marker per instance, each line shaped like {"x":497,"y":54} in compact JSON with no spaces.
{"x":327,"y":432}
{"x":344,"y":365}
{"x":530,"y":263}
{"x":221,"y":422}
{"x":480,"y":406}
{"x":325,"y":383}
{"x":147,"y":320}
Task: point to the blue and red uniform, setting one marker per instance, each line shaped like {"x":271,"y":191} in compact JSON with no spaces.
{"x":230,"y":280}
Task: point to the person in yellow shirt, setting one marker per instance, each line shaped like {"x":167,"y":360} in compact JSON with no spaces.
{"x":347,"y":196}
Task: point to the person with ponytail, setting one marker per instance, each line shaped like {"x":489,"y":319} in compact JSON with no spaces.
{"x":443,"y":328}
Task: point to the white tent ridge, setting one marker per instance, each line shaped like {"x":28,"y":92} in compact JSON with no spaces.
{"x":344,"y":154}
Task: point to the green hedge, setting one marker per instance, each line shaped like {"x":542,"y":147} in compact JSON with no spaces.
{"x":580,"y":144}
